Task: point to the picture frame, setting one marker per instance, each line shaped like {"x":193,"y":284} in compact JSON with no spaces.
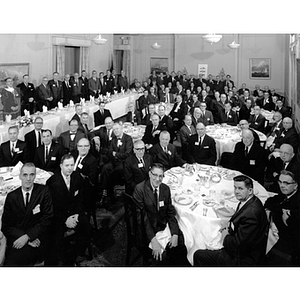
{"x":159,"y":64}
{"x":260,"y":68}
{"x":14,"y":70}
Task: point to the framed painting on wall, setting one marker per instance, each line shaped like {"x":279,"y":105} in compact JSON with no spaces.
{"x":15,"y":71}
{"x":159,"y":64}
{"x":260,"y":68}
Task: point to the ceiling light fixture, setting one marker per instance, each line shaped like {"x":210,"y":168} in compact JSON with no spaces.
{"x":99,"y":40}
{"x":234,"y":45}
{"x":212,"y":37}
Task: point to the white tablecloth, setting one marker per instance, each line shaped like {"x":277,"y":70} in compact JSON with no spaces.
{"x":201,"y":226}
{"x":57,"y":121}
{"x":227,"y":136}
{"x":136,"y":132}
{"x":11,"y":184}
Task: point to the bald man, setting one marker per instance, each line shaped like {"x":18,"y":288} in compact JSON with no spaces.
{"x":249,"y":157}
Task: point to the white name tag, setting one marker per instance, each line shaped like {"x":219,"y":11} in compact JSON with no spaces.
{"x":196,"y":143}
{"x":76,"y":193}
{"x":169,"y":152}
{"x":161,"y":203}
{"x":206,"y":147}
{"x":53,"y":158}
{"x":256,"y":123}
{"x":80,"y":166}
{"x":140,"y":165}
{"x":252,"y":162}
{"x":229,"y":116}
{"x":17,"y":149}
{"x":208,"y":119}
{"x":36,"y":210}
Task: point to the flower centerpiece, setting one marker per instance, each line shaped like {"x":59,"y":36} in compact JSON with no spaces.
{"x":24,"y":121}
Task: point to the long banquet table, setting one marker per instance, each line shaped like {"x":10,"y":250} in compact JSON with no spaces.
{"x":57,"y":120}
{"x":201,"y":222}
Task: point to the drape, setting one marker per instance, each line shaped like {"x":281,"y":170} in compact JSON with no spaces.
{"x":126,"y":64}
{"x":60,"y":59}
{"x":84,"y":59}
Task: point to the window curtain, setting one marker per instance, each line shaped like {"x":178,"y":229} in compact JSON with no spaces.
{"x":60,"y":59}
{"x":84,"y":59}
{"x":126,"y":64}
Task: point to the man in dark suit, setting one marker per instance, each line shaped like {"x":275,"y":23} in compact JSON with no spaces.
{"x":136,"y":166}
{"x":67,"y":91}
{"x":245,"y":110}
{"x":153,"y":98}
{"x":243,"y":89}
{"x":84,"y":125}
{"x":185,"y":132}
{"x":229,"y":116}
{"x":94,"y":85}
{"x":14,"y":150}
{"x":69,"y":139}
{"x":123,"y":82}
{"x":26,"y":220}
{"x":78,"y":112}
{"x":87,"y":166}
{"x":101,"y":114}
{"x":279,"y":107}
{"x":56,"y":89}
{"x":76,"y":88}
{"x":201,"y":147}
{"x":257,"y":120}
{"x":249,"y":157}
{"x":133,"y":115}
{"x":48,"y":155}
{"x":143,"y":103}
{"x":245,"y":238}
{"x":284,"y":213}
{"x":243,"y":124}
{"x":165,"y":121}
{"x":178,"y":113}
{"x":119,"y":149}
{"x":102,"y":83}
{"x":28,"y":95}
{"x":166,"y":153}
{"x":159,"y":213}
{"x":146,"y":120}
{"x":277,"y":126}
{"x":44,"y":97}
{"x":33,"y":138}
{"x":206,"y":116}
{"x":70,"y":221}
{"x":152,"y":131}
{"x":84,"y":86}
{"x":109,"y":82}
{"x":266,"y":102}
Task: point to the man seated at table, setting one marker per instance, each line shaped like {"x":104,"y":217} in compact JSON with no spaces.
{"x":283,"y":210}
{"x":152,"y":131}
{"x":185,"y":132}
{"x":119,"y":149}
{"x":160,"y":215}
{"x":245,"y":110}
{"x":206,"y":116}
{"x":26,"y":220}
{"x":14,"y":150}
{"x":178,"y":112}
{"x":70,"y":220}
{"x":201,"y":147}
{"x":101,"y":114}
{"x":33,"y":138}
{"x":229,"y":116}
{"x":286,"y":161}
{"x":136,"y":166}
{"x":245,"y":238}
{"x":49,"y":154}
{"x":69,"y":139}
{"x":166,"y":153}
{"x":143,"y":103}
{"x":277,"y":126}
{"x":78,"y":112}
{"x":257,"y":120}
{"x":84,"y":124}
{"x":288,"y":135}
{"x":165,"y":121}
{"x":147,"y":118}
{"x":280,"y":108}
{"x":133,"y":115}
{"x":249,"y":157}
{"x":244,"y":124}
{"x":87,"y":166}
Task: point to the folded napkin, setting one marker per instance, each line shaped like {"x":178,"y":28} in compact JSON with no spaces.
{"x":8,"y":118}
{"x":223,"y":211}
{"x":60,"y":105}
{"x":92,"y":98}
{"x":163,"y":237}
{"x":273,"y":237}
{"x":16,"y":169}
{"x":71,"y":103}
{"x":45,"y":108}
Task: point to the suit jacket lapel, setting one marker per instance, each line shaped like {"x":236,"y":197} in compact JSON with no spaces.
{"x":242,"y":209}
{"x":150,"y":193}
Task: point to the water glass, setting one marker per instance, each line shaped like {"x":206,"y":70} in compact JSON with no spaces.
{"x":212,"y":194}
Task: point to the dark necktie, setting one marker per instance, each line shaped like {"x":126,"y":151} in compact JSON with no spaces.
{"x":246,"y":151}
{"x":156,"y":198}
{"x":13,"y":149}
{"x":141,"y":161}
{"x":39,"y":139}
{"x":27,"y":199}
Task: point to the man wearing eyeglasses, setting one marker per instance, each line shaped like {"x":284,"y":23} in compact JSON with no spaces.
{"x":159,"y":215}
{"x":283,"y":210}
{"x":136,"y":166}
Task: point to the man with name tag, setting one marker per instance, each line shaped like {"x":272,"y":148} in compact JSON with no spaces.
{"x":26,"y":220}
{"x":33,"y":138}
{"x":244,"y":239}
{"x":249,"y":157}
{"x":206,"y":116}
{"x":201,"y":147}
{"x":136,"y":166}
{"x":70,"y":220}
{"x":49,"y":154}
{"x":185,"y":132}
{"x":14,"y":150}
{"x":160,"y":217}
{"x":257,"y":120}
{"x":166,"y":153}
{"x":152,"y":131}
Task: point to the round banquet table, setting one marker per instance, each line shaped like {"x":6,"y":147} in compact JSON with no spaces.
{"x":11,"y":182}
{"x":227,"y":136}
{"x":135,"y":131}
{"x":201,"y":223}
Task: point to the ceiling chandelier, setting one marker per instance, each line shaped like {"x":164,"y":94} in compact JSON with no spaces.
{"x":234,"y":45}
{"x":212,"y":37}
{"x":155,"y":46}
{"x":99,"y":40}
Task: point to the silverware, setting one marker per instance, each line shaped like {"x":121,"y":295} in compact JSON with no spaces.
{"x":194,"y":205}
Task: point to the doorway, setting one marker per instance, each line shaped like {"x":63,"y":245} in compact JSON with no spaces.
{"x":72,"y":59}
{"x":122,"y":62}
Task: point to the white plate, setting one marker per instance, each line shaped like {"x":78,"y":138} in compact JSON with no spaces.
{"x":176,"y":170}
{"x":183,"y":200}
{"x":208,"y":202}
{"x":3,"y":170}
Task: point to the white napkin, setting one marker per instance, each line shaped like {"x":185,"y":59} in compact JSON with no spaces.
{"x":82,"y":100}
{"x":71,"y":103}
{"x":163,"y":237}
{"x":25,"y":112}
{"x":273,"y":237}
{"x":270,"y":141}
{"x":45,"y":108}
{"x":60,"y":105}
{"x":8,"y":118}
{"x":92,"y":98}
{"x":16,"y":169}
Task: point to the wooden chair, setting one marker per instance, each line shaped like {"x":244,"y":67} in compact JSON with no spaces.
{"x":136,"y":236}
